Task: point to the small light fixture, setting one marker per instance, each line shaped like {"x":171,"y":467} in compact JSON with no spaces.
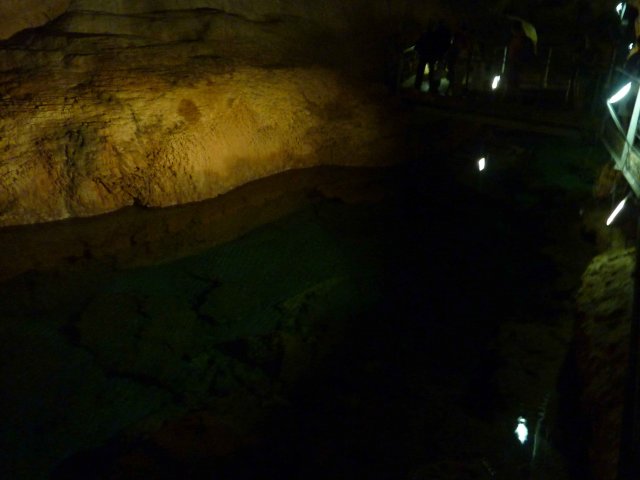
{"x":621,"y":9}
{"x":620,"y":94}
{"x":617,"y":210}
{"x":482,"y":164}
{"x":496,"y":82}
{"x":521,"y":431}
{"x":630,"y":46}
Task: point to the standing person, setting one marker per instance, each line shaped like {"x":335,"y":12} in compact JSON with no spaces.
{"x":459,"y":44}
{"x":424,"y":49}
{"x":432,"y":47}
{"x":519,"y":51}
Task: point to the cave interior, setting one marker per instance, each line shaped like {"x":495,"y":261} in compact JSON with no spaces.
{"x":241,"y":240}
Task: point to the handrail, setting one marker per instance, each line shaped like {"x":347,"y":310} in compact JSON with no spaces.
{"x":629,"y":459}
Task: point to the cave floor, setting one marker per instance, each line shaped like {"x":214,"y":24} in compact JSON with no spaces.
{"x":333,"y":323}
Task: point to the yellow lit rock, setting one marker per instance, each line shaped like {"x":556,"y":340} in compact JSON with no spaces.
{"x":108,"y":106}
{"x":167,"y":137}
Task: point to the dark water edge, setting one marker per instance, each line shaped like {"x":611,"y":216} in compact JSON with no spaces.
{"x":347,"y":335}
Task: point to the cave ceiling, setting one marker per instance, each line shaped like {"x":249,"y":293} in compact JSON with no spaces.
{"x":559,"y":19}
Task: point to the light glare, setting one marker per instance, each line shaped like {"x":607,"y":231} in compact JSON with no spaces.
{"x":631,"y":46}
{"x":620,"y":94}
{"x":521,"y":430}
{"x":617,"y":210}
{"x":496,"y":82}
{"x":619,"y":8}
{"x":482,"y":163}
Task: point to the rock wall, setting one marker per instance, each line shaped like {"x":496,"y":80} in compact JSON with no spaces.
{"x":155,"y":103}
{"x":602,"y":331}
{"x":16,"y":15}
{"x":164,"y":138}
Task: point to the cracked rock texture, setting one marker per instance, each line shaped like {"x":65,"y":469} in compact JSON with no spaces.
{"x":157,"y":104}
{"x":159,"y":139}
{"x":604,"y":306}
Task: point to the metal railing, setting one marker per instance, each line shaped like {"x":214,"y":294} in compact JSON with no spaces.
{"x":620,"y":136}
{"x":553,"y":71}
{"x":619,"y":131}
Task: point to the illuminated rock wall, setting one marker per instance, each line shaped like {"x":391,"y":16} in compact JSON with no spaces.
{"x":160,"y":139}
{"x":116,"y":103}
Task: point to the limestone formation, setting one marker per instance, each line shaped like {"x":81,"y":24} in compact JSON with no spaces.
{"x":17,"y":15}
{"x":121,"y":137}
{"x":103,"y":109}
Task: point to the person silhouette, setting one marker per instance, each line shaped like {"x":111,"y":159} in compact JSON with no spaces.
{"x":432,"y":48}
{"x":519,"y":51}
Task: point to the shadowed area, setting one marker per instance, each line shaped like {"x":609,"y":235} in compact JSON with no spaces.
{"x":294,"y":239}
{"x":313,"y":329}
